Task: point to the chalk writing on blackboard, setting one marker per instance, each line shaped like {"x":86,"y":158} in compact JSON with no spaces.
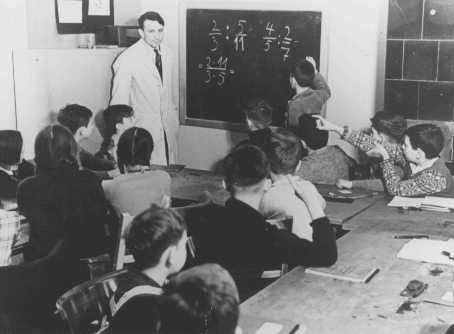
{"x":235,"y":55}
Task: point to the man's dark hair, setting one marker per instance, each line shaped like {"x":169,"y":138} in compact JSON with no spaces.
{"x":74,"y":116}
{"x":259,"y":111}
{"x":10,"y":147}
{"x":246,"y":165}
{"x":151,"y":233}
{"x":390,"y":123}
{"x":303,"y":71}
{"x":134,"y":148}
{"x":202,"y":299}
{"x":284,"y":152}
{"x":112,"y":116}
{"x":427,"y":137}
{"x":151,"y":16}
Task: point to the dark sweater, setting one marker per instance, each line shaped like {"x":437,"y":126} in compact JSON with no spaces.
{"x":66,"y":203}
{"x":238,"y":238}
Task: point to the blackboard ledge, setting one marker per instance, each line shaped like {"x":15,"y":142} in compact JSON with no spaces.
{"x":214,"y":124}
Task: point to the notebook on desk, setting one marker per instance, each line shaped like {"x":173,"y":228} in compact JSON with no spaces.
{"x":354,"y":274}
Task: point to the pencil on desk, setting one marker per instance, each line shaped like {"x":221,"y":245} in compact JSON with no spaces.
{"x":294,"y":329}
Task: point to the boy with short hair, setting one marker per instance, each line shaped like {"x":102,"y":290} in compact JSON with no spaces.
{"x":259,"y":115}
{"x":202,"y":299}
{"x":239,"y":238}
{"x":429,"y":174}
{"x":311,"y":89}
{"x":157,"y":240}
{"x":284,"y":154}
{"x":76,"y":118}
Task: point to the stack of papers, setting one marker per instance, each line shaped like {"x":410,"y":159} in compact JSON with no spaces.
{"x":426,"y":250}
{"x":432,"y":203}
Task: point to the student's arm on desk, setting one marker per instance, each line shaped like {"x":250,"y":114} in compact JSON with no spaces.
{"x":425,"y":183}
{"x":369,"y":184}
{"x":322,"y":251}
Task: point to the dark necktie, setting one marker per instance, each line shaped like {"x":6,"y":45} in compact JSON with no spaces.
{"x":158,"y":62}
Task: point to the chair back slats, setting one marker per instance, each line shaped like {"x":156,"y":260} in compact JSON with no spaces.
{"x":86,"y":307}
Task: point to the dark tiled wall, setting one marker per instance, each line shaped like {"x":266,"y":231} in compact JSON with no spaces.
{"x":420,"y":59}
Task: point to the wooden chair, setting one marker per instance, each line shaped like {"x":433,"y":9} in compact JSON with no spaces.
{"x":189,"y":213}
{"x":86,"y":308}
{"x":28,"y":292}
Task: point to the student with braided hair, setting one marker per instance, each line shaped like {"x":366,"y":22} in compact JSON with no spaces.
{"x":138,"y":186}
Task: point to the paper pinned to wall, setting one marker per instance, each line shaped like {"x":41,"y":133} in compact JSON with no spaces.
{"x":99,"y":7}
{"x":69,"y":11}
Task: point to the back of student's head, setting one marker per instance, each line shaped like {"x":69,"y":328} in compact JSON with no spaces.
{"x":112,"y":116}
{"x":427,"y":137}
{"x":303,"y":72}
{"x":307,"y":130}
{"x":134,"y":148}
{"x":203,"y":299}
{"x":390,"y":123}
{"x":284,"y":152}
{"x":55,"y":147}
{"x":259,"y":112}
{"x":245,"y":166}
{"x":10,"y":147}
{"x":151,"y":233}
{"x":74,"y":116}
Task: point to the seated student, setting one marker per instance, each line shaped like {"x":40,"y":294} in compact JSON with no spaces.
{"x":157,"y":240}
{"x":284,"y":154}
{"x":322,"y":164}
{"x":311,"y":89}
{"x":117,"y":118}
{"x":259,"y":115}
{"x":386,"y":128}
{"x":429,"y":174}
{"x":76,"y":118}
{"x":10,"y":156}
{"x":62,"y":201}
{"x":203,"y":299}
{"x":138,"y":187}
{"x":238,"y":236}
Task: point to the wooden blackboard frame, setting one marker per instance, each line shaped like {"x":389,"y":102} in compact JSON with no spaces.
{"x":236,"y":5}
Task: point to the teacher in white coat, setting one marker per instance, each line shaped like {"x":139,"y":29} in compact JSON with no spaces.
{"x":142,"y":79}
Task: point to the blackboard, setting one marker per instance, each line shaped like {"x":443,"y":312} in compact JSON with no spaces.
{"x":235,"y":55}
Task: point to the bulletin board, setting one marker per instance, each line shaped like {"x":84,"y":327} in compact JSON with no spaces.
{"x":83,"y":16}
{"x":228,"y":56}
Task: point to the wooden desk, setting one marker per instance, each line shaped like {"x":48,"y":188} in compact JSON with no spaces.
{"x":190,"y":184}
{"x":326,"y":305}
{"x":409,"y":220}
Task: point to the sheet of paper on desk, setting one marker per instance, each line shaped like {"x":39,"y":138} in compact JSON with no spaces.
{"x":433,"y":203}
{"x":407,"y":202}
{"x":426,"y":250}
{"x":445,"y":202}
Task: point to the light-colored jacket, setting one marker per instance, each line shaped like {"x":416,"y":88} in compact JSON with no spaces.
{"x":137,"y":83}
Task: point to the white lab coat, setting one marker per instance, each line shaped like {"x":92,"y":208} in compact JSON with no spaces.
{"x":137,"y":83}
